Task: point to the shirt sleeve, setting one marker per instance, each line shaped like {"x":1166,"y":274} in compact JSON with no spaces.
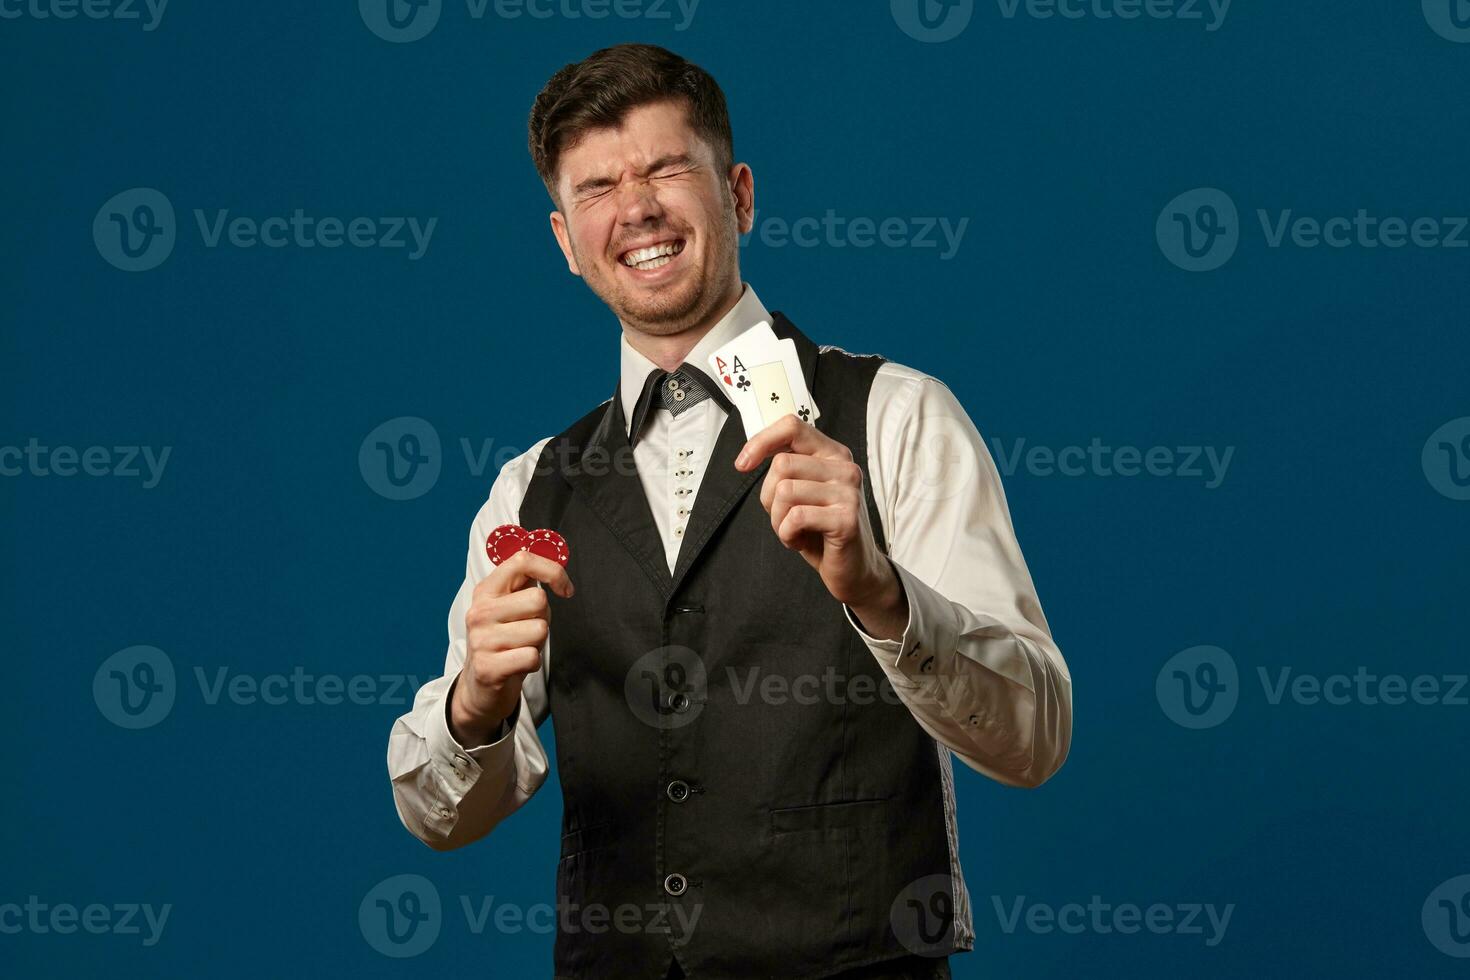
{"x":448,"y":796}
{"x":976,"y":664}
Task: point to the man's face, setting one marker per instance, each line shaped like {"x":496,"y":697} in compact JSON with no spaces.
{"x":650,"y":221}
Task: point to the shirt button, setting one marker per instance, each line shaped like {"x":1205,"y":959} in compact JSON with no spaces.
{"x":679,"y":702}
{"x":927,"y":666}
{"x":683,"y":512}
{"x":678,"y":791}
{"x":444,"y":811}
{"x":679,"y":531}
{"x":676,"y":884}
{"x":974,"y":720}
{"x":673,"y":384}
{"x":678,"y":396}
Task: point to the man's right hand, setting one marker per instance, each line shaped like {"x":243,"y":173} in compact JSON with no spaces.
{"x":504,"y":629}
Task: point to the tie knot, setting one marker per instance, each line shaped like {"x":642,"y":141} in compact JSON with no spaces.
{"x":681,"y":389}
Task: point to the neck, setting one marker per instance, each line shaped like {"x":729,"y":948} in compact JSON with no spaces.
{"x":668,"y":351}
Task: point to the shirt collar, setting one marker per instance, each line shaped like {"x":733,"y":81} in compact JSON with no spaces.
{"x":635,"y":368}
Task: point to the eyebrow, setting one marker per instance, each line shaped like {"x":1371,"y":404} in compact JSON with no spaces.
{"x":598,"y":183}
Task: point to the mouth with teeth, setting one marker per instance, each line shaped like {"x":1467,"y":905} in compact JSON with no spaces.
{"x":652,"y":257}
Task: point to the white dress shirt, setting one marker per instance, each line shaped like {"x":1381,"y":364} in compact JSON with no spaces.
{"x":976,"y":665}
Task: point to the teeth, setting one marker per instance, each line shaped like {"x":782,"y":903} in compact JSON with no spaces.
{"x":653,"y":257}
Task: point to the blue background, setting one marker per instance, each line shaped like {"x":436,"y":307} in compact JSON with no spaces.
{"x":1060,"y":319}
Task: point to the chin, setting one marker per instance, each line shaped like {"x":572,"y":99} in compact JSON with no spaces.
{"x":664,"y":311}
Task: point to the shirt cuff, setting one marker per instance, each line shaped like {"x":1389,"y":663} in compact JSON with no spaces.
{"x":933,"y":630}
{"x":459,"y":768}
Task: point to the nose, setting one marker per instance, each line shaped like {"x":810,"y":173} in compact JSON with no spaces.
{"x":639,"y":204}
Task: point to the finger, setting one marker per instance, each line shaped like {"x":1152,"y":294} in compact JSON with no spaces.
{"x":807,"y":519}
{"x":519,"y":660}
{"x":795,"y":493}
{"x":788,"y":432}
{"x":506,"y":636}
{"x":527,"y":603}
{"x":794,"y":466}
{"x":523,"y":567}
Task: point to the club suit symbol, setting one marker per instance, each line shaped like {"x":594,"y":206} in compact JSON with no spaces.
{"x":400,"y":21}
{"x":401,"y":459}
{"x":135,"y":688}
{"x":401,"y":916}
{"x":1198,"y":687}
{"x":1446,"y":917}
{"x":923,"y":916}
{"x":1199,"y":230}
{"x":1446,"y":459}
{"x":1450,"y":19}
{"x":135,"y":230}
{"x":932,"y":21}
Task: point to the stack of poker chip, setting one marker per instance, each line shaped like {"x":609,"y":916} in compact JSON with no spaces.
{"x":507,"y":539}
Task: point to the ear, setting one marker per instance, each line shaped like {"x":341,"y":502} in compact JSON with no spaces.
{"x":742,"y":186}
{"x":564,"y":239}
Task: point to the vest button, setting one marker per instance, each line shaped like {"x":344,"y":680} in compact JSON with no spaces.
{"x":679,"y":701}
{"x":678,"y":791}
{"x":675,"y":884}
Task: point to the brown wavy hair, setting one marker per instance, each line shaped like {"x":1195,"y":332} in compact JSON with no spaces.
{"x":600,"y":91}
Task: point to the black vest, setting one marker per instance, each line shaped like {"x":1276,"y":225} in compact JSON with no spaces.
{"x":749,"y":827}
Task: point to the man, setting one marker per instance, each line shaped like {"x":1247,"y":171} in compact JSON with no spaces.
{"x":773,"y":645}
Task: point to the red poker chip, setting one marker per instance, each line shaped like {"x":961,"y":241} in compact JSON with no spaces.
{"x":548,"y":544}
{"x":504,"y":541}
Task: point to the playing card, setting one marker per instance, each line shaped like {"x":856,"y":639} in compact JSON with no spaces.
{"x":762,"y":377}
{"x":752,"y":347}
{"x":772,"y":391}
{"x":802,"y":404}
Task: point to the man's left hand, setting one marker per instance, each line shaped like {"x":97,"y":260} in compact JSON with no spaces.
{"x":814,"y":494}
